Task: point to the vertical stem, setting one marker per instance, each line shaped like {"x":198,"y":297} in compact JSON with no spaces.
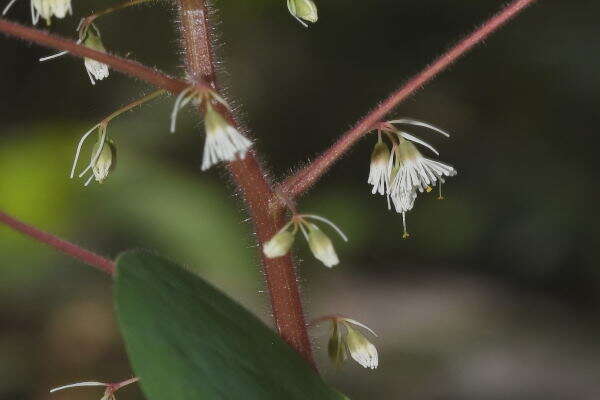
{"x":280,"y":273}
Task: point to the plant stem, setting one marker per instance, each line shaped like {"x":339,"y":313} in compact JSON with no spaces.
{"x":133,"y":104}
{"x":280,"y":273}
{"x":91,"y":18}
{"x":68,"y":248}
{"x":305,"y":178}
{"x":123,"y":65}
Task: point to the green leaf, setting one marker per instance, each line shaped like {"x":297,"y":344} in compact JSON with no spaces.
{"x":188,"y":341}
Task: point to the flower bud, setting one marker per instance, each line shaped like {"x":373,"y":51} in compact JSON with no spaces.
{"x":280,"y":244}
{"x":336,"y":347}
{"x":303,"y":10}
{"x":106,"y":160}
{"x":361,"y":350}
{"x":321,"y":246}
{"x":95,"y":69}
{"x":378,"y":172}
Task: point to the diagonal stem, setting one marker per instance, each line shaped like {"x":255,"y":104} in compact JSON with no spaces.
{"x":248,"y":174}
{"x":123,"y":65}
{"x":305,"y":178}
{"x":68,"y":248}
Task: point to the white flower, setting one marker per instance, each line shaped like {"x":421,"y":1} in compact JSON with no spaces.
{"x":415,"y":171}
{"x":45,"y":9}
{"x":318,"y":242}
{"x":352,"y":341}
{"x":303,"y":10}
{"x":109,"y":392}
{"x":378,"y":171}
{"x":95,"y":69}
{"x":321,"y":246}
{"x":105,"y":161}
{"x":223,"y":141}
{"x":280,"y":244}
{"x":103,"y":156}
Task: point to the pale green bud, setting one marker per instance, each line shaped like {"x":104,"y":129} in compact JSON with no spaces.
{"x":361,"y":350}
{"x":95,"y":69}
{"x":321,"y":246}
{"x":336,"y":347}
{"x":303,"y":10}
{"x":106,"y":160}
{"x":280,"y":244}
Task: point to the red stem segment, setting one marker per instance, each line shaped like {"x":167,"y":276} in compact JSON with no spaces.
{"x":68,"y":248}
{"x":305,"y":178}
{"x":268,"y":218}
{"x":123,"y":65}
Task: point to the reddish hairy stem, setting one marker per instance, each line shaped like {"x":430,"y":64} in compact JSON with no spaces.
{"x":268,"y":218}
{"x":305,"y":178}
{"x":68,"y":248}
{"x":123,"y":65}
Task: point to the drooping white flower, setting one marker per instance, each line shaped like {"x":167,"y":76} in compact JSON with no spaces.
{"x":95,"y":69}
{"x":103,"y":156}
{"x":89,"y":36}
{"x":415,"y":171}
{"x":279,"y":245}
{"x":378,"y":171}
{"x":318,"y":242}
{"x":45,"y":9}
{"x":223,"y":141}
{"x":351,"y":341}
{"x":109,"y":392}
{"x":303,"y":10}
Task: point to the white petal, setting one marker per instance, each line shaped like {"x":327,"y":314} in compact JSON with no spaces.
{"x":80,"y":384}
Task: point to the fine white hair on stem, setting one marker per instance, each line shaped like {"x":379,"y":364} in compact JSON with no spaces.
{"x":415,"y":139}
{"x":8,"y":7}
{"x":53,"y":56}
{"x":180,"y":102}
{"x":79,"y":145}
{"x":328,"y":222}
{"x":354,"y":322}
{"x":80,"y":384}
{"x":414,"y":122}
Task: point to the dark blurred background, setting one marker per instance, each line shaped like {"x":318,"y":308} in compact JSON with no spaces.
{"x":495,"y":294}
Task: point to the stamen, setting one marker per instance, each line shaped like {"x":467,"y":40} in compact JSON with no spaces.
{"x":177,"y":106}
{"x":8,"y":6}
{"x":405,"y":235}
{"x":53,"y":56}
{"x":361,"y":325}
{"x":72,"y":385}
{"x":328,"y":222}
{"x":79,"y":145}
{"x":414,"y":122}
{"x":415,"y":139}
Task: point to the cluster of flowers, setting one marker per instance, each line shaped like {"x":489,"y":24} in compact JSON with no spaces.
{"x":398,"y":174}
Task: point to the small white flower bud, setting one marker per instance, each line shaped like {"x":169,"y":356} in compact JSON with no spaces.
{"x":361,"y":350}
{"x":321,"y":246}
{"x":105,"y":161}
{"x":378,"y":172}
{"x":280,"y":244}
{"x":303,"y":10}
{"x":95,"y":69}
